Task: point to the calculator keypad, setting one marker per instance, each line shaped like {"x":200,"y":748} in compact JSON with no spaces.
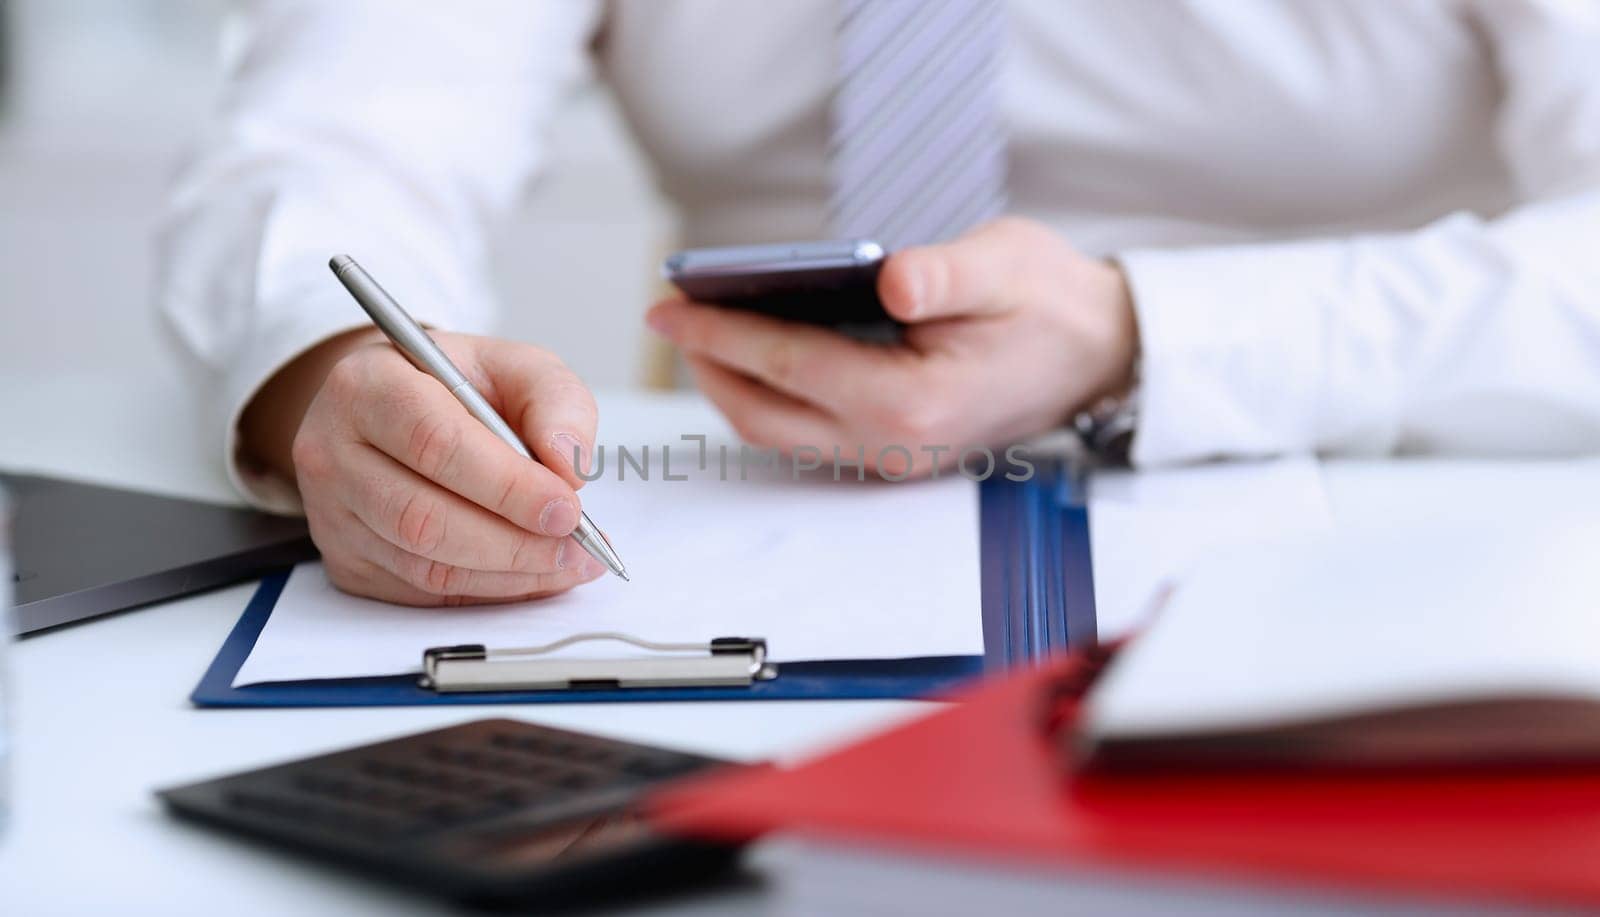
{"x":472,"y":774}
{"x":494,"y":809}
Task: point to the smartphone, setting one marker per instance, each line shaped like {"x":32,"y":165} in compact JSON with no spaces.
{"x":832,"y":283}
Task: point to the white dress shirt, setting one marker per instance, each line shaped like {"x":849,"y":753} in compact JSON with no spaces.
{"x":1349,"y":225}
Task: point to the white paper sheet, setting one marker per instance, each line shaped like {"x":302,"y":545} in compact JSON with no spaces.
{"x":1372,"y":619}
{"x":823,"y":570}
{"x":1148,"y":528}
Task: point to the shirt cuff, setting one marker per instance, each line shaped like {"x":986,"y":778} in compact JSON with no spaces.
{"x":1234,"y":354}
{"x":271,"y":349}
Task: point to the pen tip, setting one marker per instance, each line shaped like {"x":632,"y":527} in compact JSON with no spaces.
{"x":624,"y":575}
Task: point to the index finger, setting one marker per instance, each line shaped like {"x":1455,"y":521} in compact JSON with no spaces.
{"x":813,"y":364}
{"x":422,"y":426}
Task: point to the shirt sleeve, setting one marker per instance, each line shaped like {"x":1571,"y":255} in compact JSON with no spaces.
{"x":1471,"y":334}
{"x":396,"y":131}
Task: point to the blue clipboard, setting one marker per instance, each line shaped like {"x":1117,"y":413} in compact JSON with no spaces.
{"x":1037,"y":594}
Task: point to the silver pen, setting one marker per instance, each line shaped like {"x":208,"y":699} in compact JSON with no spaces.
{"x":411,"y":340}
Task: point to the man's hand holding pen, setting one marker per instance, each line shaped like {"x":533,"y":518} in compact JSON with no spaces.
{"x":412,"y":500}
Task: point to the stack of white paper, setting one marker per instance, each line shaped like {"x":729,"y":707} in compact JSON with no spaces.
{"x":1150,"y":528}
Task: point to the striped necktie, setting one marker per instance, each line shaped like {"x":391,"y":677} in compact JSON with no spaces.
{"x":916,"y":152}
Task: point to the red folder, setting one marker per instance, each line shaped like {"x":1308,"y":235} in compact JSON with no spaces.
{"x":984,"y":778}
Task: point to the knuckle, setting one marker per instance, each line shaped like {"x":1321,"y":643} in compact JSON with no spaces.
{"x":323,"y":530}
{"x":342,"y":576}
{"x":436,"y":577}
{"x":920,"y":465}
{"x":517,"y":360}
{"x":312,"y":458}
{"x":551,"y":583}
{"x":534,"y":355}
{"x":433,"y":444}
{"x":562,"y":398}
{"x":526,"y":496}
{"x":1011,"y":226}
{"x":540,"y":555}
{"x":316,"y":527}
{"x":524,"y":550}
{"x":505,"y":502}
{"x":912,"y":420}
{"x":451,"y":580}
{"x":429,"y":576}
{"x":892,"y":462}
{"x":349,"y":574}
{"x":552,"y":362}
{"x":420,"y":522}
{"x":780,"y":362}
{"x":520,"y":494}
{"x":571,"y":391}
{"x":346,"y":377}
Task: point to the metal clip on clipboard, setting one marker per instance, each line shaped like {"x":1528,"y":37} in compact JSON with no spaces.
{"x":725,"y":661}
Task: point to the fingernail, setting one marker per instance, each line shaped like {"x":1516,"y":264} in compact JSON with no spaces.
{"x":591,"y":568}
{"x":561,"y":553}
{"x":559,"y":517}
{"x":569,"y":448}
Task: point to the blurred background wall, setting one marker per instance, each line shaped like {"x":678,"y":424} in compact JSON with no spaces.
{"x":99,"y":101}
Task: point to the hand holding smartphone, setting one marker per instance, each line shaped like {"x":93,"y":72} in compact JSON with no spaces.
{"x":831,"y":283}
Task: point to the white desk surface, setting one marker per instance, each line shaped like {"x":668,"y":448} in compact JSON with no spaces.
{"x":101,"y":716}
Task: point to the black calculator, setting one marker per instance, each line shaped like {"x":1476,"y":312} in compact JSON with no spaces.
{"x":496,"y":813}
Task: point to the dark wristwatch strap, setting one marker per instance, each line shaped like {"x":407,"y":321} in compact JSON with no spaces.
{"x":1107,"y":427}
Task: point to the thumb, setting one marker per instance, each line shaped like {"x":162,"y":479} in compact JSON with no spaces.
{"x":971,"y":275}
{"x":547,"y":405}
